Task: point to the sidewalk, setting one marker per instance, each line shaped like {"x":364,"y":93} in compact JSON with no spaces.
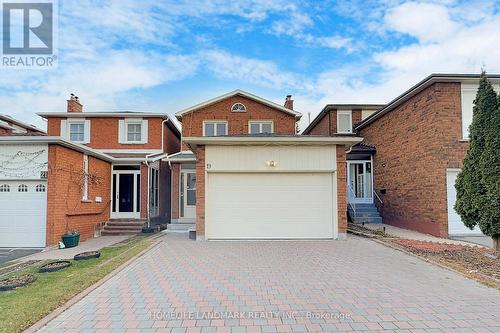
{"x":92,"y":244}
{"x":414,"y":235}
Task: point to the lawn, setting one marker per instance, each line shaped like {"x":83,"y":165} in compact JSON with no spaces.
{"x":20,"y":308}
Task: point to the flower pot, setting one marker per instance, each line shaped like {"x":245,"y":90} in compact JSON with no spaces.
{"x":71,"y":239}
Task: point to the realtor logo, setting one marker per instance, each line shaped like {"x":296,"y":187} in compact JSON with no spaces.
{"x":28,"y":29}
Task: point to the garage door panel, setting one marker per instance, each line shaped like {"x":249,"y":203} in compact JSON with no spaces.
{"x":23,"y":215}
{"x":269,"y":206}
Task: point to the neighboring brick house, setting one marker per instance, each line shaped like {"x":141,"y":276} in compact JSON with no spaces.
{"x":93,"y":172}
{"x":416,"y":145}
{"x":11,"y":126}
{"x":136,"y":141}
{"x":243,"y":172}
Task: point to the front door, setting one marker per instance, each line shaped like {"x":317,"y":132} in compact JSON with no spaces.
{"x":126,"y":190}
{"x":359,"y":182}
{"x":189,"y":194}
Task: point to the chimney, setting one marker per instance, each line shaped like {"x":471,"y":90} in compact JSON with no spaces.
{"x":74,"y":104}
{"x":289,"y":102}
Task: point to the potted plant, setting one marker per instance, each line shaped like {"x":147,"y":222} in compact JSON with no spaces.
{"x":71,"y":238}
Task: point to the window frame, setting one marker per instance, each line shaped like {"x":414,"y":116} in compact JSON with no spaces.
{"x":4,"y":188}
{"x":215,"y":122}
{"x":260,"y":123}
{"x":77,"y":122}
{"x":141,"y":130}
{"x":22,"y":188}
{"x":238,"y":111}
{"x":344,"y":112}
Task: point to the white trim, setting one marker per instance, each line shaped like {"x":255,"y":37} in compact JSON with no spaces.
{"x":86,"y":131}
{"x":121,"y":131}
{"x":215,"y":122}
{"x":365,"y":199}
{"x":85,"y":190}
{"x":297,"y":139}
{"x":103,"y":114}
{"x":130,"y":151}
{"x":260,"y":122}
{"x":181,"y":113}
{"x":344,"y":112}
{"x":64,"y":128}
{"x":134,"y":214}
{"x":134,"y":121}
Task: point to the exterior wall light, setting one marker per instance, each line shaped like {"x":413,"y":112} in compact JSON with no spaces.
{"x":272,"y":163}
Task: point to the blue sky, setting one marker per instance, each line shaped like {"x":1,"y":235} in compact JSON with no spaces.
{"x":162,"y":56}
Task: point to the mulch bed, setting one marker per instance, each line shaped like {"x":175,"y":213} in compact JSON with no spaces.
{"x":475,"y":262}
{"x":16,"y":282}
{"x":87,"y":255}
{"x":54,"y":266}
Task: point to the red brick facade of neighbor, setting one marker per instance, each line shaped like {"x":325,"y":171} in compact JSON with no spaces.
{"x":13,"y":127}
{"x":417,"y":137}
{"x":66,"y":211}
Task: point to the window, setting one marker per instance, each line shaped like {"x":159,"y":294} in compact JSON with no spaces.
{"x":238,"y":107}
{"x":4,"y":188}
{"x":22,"y":188}
{"x":344,"y":122}
{"x":214,"y":128}
{"x":77,"y":132}
{"x":40,"y":188}
{"x":134,"y":132}
{"x":259,"y":127}
{"x":85,"y":187}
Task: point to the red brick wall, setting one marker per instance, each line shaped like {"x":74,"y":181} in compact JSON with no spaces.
{"x":4,"y":131}
{"x":323,"y":127}
{"x":104,"y":133}
{"x":341,"y":189}
{"x":416,"y":143}
{"x":171,"y":143}
{"x":192,"y":123}
{"x":65,"y":209}
{"x":200,"y":191}
{"x":175,"y":174}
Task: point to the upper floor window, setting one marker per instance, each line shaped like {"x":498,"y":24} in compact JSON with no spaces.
{"x":134,"y":132}
{"x":214,"y":128}
{"x":238,"y":107}
{"x":344,"y":122}
{"x":259,"y":127}
{"x":77,"y":131}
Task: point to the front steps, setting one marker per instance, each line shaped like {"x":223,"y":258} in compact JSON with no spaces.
{"x":123,"y":227}
{"x":365,"y":213}
{"x":180,"y":227}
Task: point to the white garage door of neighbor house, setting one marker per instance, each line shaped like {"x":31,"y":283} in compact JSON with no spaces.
{"x":455,"y":225}
{"x":23,"y":207}
{"x":270,"y":206}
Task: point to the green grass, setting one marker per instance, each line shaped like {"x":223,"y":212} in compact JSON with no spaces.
{"x":20,"y":308}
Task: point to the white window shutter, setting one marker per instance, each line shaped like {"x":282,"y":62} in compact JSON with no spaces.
{"x":144,"y":134}
{"x":86,"y":138}
{"x":121,"y":131}
{"x":64,"y":129}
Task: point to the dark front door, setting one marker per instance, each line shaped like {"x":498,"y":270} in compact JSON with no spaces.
{"x":126,"y":193}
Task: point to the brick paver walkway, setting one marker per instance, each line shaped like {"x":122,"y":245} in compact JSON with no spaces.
{"x":282,"y":286}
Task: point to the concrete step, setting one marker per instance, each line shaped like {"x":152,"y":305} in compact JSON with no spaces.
{"x":180,"y":226}
{"x":123,"y":227}
{"x":125,"y":224}
{"x":367,"y":219}
{"x":366,"y":214}
{"x":119,"y":232}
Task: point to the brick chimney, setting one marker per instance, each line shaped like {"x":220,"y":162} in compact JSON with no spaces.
{"x":74,"y":104}
{"x":289,"y":102}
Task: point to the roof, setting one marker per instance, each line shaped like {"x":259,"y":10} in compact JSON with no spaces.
{"x":238,"y":92}
{"x":182,"y":156}
{"x":363,"y":147}
{"x":330,"y":107}
{"x":121,"y":114}
{"x":9,"y":119}
{"x":431,"y":79}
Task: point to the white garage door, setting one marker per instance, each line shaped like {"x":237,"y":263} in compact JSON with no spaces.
{"x":270,"y":206}
{"x":23,"y":206}
{"x":455,"y":225}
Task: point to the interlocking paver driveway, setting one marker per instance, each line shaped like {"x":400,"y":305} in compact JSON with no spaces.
{"x":283,"y":286}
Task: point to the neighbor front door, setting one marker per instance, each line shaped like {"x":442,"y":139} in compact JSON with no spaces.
{"x":359,"y":182}
{"x":189,"y":194}
{"x":126,"y":189}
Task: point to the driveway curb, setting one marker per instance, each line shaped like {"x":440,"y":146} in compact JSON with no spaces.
{"x":45,"y":320}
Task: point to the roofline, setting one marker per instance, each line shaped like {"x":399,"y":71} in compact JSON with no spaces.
{"x":20,"y":123}
{"x":429,"y":80}
{"x":181,"y":113}
{"x":330,"y":107}
{"x":102,"y":115}
{"x":55,"y":140}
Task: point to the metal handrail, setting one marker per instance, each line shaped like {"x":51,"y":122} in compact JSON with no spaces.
{"x":378,"y":198}
{"x":351,"y":194}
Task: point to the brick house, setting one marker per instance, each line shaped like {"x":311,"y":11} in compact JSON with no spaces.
{"x":93,"y":172}
{"x":415,"y":146}
{"x":243,"y":172}
{"x":11,"y":126}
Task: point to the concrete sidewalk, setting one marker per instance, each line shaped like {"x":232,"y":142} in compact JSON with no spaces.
{"x":415,"y":235}
{"x":92,"y":244}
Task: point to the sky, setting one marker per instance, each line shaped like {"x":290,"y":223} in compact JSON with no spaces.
{"x":164,"y":56}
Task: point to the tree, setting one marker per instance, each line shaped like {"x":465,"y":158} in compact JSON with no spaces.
{"x":478,"y":184}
